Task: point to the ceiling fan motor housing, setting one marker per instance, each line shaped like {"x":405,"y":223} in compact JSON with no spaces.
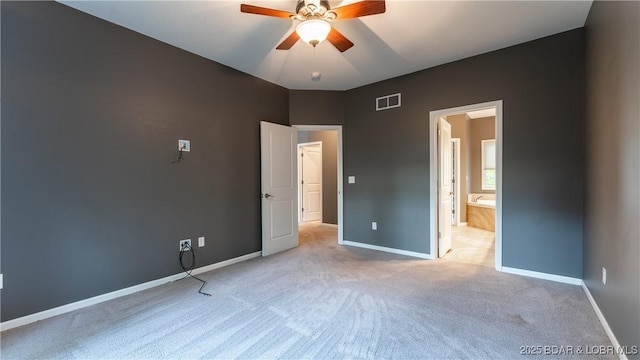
{"x":321,"y":9}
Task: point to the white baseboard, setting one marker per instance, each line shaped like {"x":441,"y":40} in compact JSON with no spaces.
{"x":330,"y":225}
{"x":541,"y":275}
{"x":387,"y":249}
{"x":224,"y":263}
{"x":462,"y":224}
{"x":10,"y":324}
{"x":603,"y":321}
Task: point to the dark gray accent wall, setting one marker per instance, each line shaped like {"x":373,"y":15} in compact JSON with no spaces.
{"x":313,"y":107}
{"x":542,"y":86}
{"x":91,"y":116}
{"x":479,"y":129}
{"x":612,"y":230}
{"x":329,"y":140}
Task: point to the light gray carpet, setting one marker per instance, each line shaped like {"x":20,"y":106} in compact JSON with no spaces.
{"x":325,"y":301}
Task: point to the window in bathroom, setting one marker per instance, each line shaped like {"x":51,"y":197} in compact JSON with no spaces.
{"x":489,"y":164}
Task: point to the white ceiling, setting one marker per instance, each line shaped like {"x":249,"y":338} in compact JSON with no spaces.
{"x":410,"y":36}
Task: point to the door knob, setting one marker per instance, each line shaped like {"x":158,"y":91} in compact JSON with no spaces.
{"x":268,"y":196}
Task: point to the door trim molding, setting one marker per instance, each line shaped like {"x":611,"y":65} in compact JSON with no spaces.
{"x":433,"y":173}
{"x":457,"y":184}
{"x":340,"y":194}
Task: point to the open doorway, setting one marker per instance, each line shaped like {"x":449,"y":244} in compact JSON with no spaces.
{"x":310,"y":165}
{"x":320,"y":180}
{"x":465,"y":184}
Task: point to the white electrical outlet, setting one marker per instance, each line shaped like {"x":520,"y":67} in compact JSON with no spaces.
{"x":182,"y":242}
{"x":184,"y":145}
{"x":374,"y":225}
{"x":201,"y":241}
{"x":604,"y":276}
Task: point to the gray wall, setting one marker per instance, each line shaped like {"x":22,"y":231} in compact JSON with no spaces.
{"x":313,"y":107}
{"x":329,"y":141}
{"x":460,"y":129}
{"x":542,"y":86}
{"x":91,"y":116}
{"x":612,"y":233}
{"x":479,"y":129}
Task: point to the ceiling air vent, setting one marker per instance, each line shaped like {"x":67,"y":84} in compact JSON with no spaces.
{"x":388,"y":102}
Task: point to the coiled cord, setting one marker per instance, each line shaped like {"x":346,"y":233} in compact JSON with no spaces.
{"x":187,"y":247}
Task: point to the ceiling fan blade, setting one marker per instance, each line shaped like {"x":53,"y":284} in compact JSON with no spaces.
{"x":362,"y":8}
{"x":250,"y":9}
{"x":289,"y":41}
{"x":339,"y":41}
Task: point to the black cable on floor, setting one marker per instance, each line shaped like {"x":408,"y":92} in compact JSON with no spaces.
{"x":187,"y":247}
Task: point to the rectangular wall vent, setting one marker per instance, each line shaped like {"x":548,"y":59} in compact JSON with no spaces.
{"x":388,"y":102}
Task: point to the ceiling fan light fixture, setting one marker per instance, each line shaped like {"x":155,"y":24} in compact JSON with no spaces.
{"x":313,"y":31}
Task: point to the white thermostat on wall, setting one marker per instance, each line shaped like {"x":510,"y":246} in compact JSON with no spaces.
{"x":184,"y":145}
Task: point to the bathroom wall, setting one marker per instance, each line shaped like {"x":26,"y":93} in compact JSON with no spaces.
{"x":460,"y":129}
{"x":479,"y":129}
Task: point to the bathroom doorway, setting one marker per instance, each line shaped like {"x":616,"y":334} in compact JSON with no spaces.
{"x":320,"y":204}
{"x":465,"y":184}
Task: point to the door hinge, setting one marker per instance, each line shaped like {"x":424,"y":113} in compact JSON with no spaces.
{"x":301,"y":154}
{"x":439,"y":235}
{"x":302,"y":182}
{"x":302,"y":209}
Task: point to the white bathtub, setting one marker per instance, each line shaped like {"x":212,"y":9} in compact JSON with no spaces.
{"x":488,"y":203}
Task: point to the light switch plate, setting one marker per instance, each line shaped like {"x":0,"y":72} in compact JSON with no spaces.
{"x":201,"y":241}
{"x":184,"y":145}
{"x":1,"y":281}
{"x":352,"y":179}
{"x":374,"y":225}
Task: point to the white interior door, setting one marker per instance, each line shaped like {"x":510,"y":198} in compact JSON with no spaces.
{"x":444,"y":160}
{"x":311,"y":182}
{"x":279,"y":187}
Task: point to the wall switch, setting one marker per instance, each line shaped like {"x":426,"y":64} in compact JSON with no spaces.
{"x":374,"y":225}
{"x":201,"y":241}
{"x":1,"y":281}
{"x":184,"y":145}
{"x":604,"y":276}
{"x":351,"y":179}
{"x":182,"y":242}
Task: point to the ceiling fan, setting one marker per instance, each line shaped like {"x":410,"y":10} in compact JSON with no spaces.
{"x":315,"y":17}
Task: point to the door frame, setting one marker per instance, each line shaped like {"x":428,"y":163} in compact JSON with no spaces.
{"x":445,"y":170}
{"x":300,"y":187}
{"x":433,"y":168}
{"x":337,"y":128}
{"x":456,"y":141}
